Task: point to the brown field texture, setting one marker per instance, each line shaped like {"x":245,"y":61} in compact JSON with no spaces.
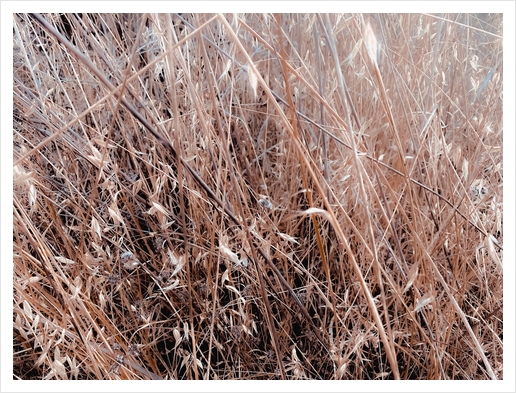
{"x":258,"y":196}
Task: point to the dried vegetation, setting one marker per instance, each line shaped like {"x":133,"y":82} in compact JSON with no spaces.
{"x":258,"y":197}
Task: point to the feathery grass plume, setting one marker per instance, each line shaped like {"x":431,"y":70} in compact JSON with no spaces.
{"x":258,"y":196}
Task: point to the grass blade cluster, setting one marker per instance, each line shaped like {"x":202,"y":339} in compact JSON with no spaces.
{"x":258,"y":196}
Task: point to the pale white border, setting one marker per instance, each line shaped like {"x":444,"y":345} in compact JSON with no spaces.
{"x":9,"y":7}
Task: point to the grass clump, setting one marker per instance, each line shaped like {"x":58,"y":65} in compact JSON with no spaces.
{"x":258,"y":196}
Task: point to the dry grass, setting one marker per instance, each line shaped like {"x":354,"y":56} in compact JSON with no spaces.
{"x":258,"y":197}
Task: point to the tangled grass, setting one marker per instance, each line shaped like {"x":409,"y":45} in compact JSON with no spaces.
{"x":258,"y":196}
